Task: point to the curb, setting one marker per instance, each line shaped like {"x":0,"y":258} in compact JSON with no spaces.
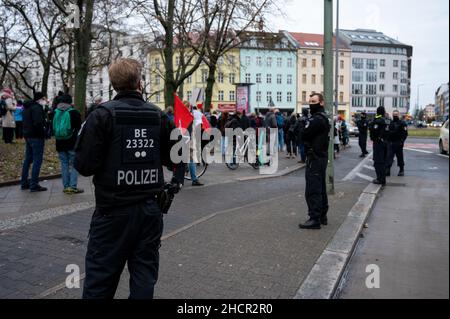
{"x":17,"y":182}
{"x":323,"y":279}
{"x":284,"y":172}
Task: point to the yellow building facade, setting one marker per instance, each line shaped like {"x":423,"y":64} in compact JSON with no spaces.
{"x":310,"y":72}
{"x":224,"y":90}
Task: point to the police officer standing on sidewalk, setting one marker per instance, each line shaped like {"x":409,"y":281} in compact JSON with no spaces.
{"x":363,"y":126}
{"x":316,"y":138}
{"x":378,"y":134}
{"x":124,"y":143}
{"x":398,"y":132}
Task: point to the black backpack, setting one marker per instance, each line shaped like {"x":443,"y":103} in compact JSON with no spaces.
{"x":3,"y":108}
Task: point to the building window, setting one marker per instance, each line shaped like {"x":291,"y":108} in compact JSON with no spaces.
{"x":357,"y":89}
{"x":357,"y":101}
{"x":157,"y":79}
{"x":231,"y":78}
{"x":220,"y":77}
{"x":371,"y":101}
{"x":358,"y":63}
{"x":247,"y":60}
{"x":304,"y":78}
{"x":279,"y":79}
{"x":220,"y":61}
{"x":394,"y":102}
{"x":289,"y":79}
{"x":279,"y":62}
{"x":101,"y":93}
{"x":383,"y":62}
{"x":232,"y":96}
{"x":158,"y":97}
{"x":247,"y":78}
{"x":258,"y":61}
{"x":395,"y":88}
{"x":314,"y":63}
{"x":269,"y":78}
{"x":357,"y":76}
{"x":341,"y":97}
{"x":395,"y":63}
{"x":342,"y":64}
{"x":189,"y":95}
{"x":269,"y":96}
{"x":381,"y":87}
{"x":258,"y":77}
{"x":231,"y":60}
{"x":279,"y":96}
{"x":371,"y":64}
{"x":313,"y":79}
{"x":189,"y":79}
{"x":341,"y":80}
{"x":258,"y":96}
{"x":269,"y":62}
{"x":371,"y":89}
{"x":204,"y":76}
{"x":381,"y":101}
{"x":371,"y":76}
{"x":395,"y":75}
{"x":220,"y":96}
{"x":289,"y":97}
{"x":382,"y":75}
{"x":290,"y":64}
{"x":101,"y":80}
{"x":303,"y":96}
{"x":304,"y":63}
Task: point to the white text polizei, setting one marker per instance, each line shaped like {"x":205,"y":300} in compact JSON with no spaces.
{"x":137,"y":177}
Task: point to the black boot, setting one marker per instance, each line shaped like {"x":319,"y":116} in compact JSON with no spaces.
{"x":377,"y":182}
{"x":388,"y":172}
{"x":324,"y":220}
{"x":310,"y":224}
{"x":401,"y":172}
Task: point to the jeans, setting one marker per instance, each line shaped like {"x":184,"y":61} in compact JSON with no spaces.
{"x":34,"y":153}
{"x":280,"y":139}
{"x":68,"y":172}
{"x":193,"y":171}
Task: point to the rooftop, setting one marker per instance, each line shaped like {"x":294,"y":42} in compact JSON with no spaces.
{"x":313,"y":40}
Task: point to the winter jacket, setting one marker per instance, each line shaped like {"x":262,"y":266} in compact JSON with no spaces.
{"x":34,"y":123}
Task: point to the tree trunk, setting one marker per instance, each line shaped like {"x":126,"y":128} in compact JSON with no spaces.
{"x":169,"y":87}
{"x":83,"y":38}
{"x":210,"y":86}
{"x":44,"y":87}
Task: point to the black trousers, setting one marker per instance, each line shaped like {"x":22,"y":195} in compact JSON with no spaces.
{"x":380,"y":150}
{"x":291,"y":141}
{"x":117,"y":236}
{"x":316,"y":189}
{"x":8,"y":134}
{"x":362,"y":139}
{"x":395,"y":149}
{"x":19,"y":129}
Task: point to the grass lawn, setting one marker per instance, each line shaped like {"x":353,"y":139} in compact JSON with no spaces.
{"x":12,"y":155}
{"x":424,"y":132}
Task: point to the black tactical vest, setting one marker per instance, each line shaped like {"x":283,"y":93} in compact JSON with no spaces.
{"x":133,"y":167}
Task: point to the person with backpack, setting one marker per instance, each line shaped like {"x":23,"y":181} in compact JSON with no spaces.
{"x":66,"y":124}
{"x":281,"y":130}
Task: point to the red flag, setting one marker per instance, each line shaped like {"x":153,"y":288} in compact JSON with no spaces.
{"x":183,"y":118}
{"x":205,"y":123}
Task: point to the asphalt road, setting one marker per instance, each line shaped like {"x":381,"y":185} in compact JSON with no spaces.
{"x":407,"y":239}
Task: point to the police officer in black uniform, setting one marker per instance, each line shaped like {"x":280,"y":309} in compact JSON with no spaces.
{"x":378,"y":134}
{"x":398,"y":132}
{"x":124,"y":143}
{"x":316,"y":139}
{"x":363,"y":126}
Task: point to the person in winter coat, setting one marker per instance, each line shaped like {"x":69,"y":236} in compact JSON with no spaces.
{"x":291,"y":137}
{"x":8,"y":121}
{"x":18,"y":117}
{"x":66,"y":147}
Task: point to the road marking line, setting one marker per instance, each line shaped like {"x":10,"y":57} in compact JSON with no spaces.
{"x":416,"y":150}
{"x":369,"y":167}
{"x":352,"y":174}
{"x":60,"y":286}
{"x":363,"y":176}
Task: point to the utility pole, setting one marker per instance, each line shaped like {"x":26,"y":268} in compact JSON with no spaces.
{"x":328,"y":87}
{"x":336,"y":64}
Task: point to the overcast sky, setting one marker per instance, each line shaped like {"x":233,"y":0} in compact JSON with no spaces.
{"x":422,"y":24}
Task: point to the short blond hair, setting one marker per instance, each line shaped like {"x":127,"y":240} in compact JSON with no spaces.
{"x":125,"y":74}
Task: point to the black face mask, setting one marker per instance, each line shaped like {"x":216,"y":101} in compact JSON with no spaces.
{"x":314,"y":108}
{"x":396,"y":118}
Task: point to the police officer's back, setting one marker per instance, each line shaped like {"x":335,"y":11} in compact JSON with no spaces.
{"x":124,"y":144}
{"x":398,"y":132}
{"x":363,"y":126}
{"x":378,"y":134}
{"x":316,"y":139}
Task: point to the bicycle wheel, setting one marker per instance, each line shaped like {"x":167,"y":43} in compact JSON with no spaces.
{"x":200,"y":170}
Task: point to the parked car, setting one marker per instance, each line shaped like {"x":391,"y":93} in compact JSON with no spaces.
{"x":443,"y":139}
{"x":436,"y":124}
{"x":352,"y":130}
{"x":421,"y":124}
